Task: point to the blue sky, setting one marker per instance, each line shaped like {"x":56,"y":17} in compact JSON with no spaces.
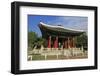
{"x":73,"y":22}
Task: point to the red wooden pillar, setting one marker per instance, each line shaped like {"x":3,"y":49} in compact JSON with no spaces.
{"x":56,"y":43}
{"x":49,"y":42}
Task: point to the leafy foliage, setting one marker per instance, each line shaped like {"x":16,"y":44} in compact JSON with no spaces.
{"x":81,"y":40}
{"x":34,"y":40}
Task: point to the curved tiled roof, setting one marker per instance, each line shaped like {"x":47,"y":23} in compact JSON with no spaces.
{"x":60,"y":28}
{"x":45,"y":28}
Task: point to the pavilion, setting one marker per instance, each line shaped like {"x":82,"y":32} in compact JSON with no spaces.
{"x":59,"y":35}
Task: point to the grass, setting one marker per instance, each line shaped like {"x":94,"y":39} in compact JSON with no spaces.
{"x":37,"y":57}
{"x":54,"y":57}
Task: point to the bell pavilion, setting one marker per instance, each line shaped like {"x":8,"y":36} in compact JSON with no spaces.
{"x":59,"y":35}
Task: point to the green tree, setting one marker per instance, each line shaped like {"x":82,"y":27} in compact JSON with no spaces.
{"x":82,"y":40}
{"x":40,"y":41}
{"x":32,"y":38}
{"x":35,"y":41}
